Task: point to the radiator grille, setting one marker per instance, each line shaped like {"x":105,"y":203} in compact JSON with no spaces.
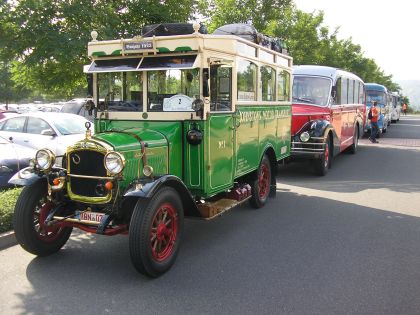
{"x":88,"y":163}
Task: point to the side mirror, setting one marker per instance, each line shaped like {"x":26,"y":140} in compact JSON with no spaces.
{"x":48,"y":132}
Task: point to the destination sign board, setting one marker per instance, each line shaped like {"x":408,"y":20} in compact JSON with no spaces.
{"x":138,"y":46}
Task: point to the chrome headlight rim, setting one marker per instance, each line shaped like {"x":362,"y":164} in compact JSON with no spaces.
{"x":304,"y":136}
{"x":121,"y":162}
{"x":148,"y":171}
{"x":49,"y":159}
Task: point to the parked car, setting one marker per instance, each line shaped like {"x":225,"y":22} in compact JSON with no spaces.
{"x":13,"y":157}
{"x":37,"y":130}
{"x":76,"y":106}
{"x":7,"y":113}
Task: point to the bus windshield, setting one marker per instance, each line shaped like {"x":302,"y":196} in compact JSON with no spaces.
{"x":172,"y":90}
{"x":120,"y":91}
{"x":311,"y":90}
{"x":378,"y":96}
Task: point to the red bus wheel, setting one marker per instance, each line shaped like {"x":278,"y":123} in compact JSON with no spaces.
{"x":31,"y":210}
{"x":260,"y":188}
{"x":323,"y":163}
{"x":155,"y":232}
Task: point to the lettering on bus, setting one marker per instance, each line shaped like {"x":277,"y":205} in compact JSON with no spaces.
{"x":268,"y":114}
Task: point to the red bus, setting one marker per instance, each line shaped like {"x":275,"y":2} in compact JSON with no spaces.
{"x":328,"y":114}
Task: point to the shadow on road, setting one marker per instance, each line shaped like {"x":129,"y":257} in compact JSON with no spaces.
{"x":372,"y":167}
{"x":328,"y":257}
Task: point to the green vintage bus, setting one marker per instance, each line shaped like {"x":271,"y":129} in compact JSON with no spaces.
{"x":186,"y":125}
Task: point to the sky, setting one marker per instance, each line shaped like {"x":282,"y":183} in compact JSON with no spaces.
{"x":388,"y":31}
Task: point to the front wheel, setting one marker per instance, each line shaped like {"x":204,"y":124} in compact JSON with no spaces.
{"x":155,"y":232}
{"x":31,"y":210}
{"x":260,"y":188}
{"x":323,"y":163}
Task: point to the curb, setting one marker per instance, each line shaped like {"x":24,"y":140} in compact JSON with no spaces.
{"x":7,"y":240}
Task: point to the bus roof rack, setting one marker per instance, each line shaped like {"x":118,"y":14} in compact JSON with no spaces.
{"x":171,"y":29}
{"x":248,"y":32}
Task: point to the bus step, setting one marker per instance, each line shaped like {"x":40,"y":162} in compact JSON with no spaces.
{"x":213,"y":209}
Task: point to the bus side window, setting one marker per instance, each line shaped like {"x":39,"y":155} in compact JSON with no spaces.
{"x":337,"y":96}
{"x":220,"y":88}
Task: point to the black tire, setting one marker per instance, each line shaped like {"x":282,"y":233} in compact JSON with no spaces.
{"x":323,"y":163}
{"x":148,"y":232}
{"x":260,"y":186}
{"x":30,"y":231}
{"x":355,"y":145}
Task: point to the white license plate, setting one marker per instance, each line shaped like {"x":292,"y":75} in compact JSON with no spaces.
{"x":89,"y":216}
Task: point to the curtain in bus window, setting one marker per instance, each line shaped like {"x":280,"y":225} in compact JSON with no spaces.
{"x":107,"y":65}
{"x":168,"y":62}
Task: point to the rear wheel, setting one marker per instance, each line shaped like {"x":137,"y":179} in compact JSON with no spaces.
{"x":31,"y":210}
{"x":260,"y":188}
{"x":155,"y":233}
{"x":323,"y":163}
{"x":354,"y":146}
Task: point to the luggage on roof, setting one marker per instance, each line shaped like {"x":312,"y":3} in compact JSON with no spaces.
{"x":170,"y":29}
{"x":248,"y":32}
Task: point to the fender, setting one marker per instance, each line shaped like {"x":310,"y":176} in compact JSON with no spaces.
{"x":146,"y":188}
{"x":25,"y":177}
{"x":320,"y":128}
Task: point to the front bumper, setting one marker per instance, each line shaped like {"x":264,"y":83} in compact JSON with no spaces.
{"x":311,"y":149}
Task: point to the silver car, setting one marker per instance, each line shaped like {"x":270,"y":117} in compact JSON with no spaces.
{"x":38,"y":130}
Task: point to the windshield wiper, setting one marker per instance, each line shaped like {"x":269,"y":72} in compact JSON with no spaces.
{"x":303,"y":99}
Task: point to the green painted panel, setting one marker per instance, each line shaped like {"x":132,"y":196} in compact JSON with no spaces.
{"x":116,"y":52}
{"x":157,"y":134}
{"x":219,"y":152}
{"x":98,"y":54}
{"x":194,"y":160}
{"x":162,"y":49}
{"x":183,"y":48}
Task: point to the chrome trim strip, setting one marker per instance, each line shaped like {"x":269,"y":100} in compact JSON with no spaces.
{"x":91,"y":177}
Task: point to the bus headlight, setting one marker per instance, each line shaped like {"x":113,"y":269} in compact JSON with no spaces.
{"x":304,"y":136}
{"x":44,"y":159}
{"x":114,"y":163}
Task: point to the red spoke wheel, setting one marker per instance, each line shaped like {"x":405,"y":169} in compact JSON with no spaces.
{"x":31,"y":210}
{"x":155,"y":232}
{"x":261,"y":185}
{"x":323,"y":163}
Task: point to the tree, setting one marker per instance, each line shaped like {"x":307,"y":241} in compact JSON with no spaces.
{"x":48,"y":38}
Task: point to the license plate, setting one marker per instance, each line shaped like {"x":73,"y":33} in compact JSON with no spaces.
{"x":89,"y":216}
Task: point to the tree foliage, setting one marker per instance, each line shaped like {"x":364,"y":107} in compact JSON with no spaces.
{"x":43,"y":43}
{"x":48,"y":38}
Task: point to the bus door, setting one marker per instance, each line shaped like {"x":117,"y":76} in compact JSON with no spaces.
{"x":221,"y":128}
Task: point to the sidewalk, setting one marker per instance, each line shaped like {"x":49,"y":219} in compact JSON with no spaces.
{"x":7,"y":239}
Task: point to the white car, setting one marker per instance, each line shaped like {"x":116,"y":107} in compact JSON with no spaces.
{"x":38,"y":130}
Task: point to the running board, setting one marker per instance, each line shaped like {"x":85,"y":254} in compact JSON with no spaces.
{"x":211,"y":210}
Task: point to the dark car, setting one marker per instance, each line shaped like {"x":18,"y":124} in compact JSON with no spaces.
{"x":76,"y":107}
{"x":13,"y":157}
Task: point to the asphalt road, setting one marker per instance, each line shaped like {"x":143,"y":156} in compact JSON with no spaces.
{"x":346,"y":243}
